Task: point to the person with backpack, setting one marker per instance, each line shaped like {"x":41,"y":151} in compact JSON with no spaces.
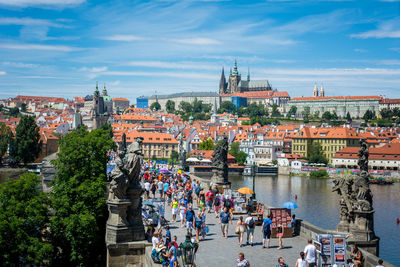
{"x":217,"y":205}
{"x":153,"y":189}
{"x":209,"y":200}
{"x":251,"y":224}
{"x":266,"y":229}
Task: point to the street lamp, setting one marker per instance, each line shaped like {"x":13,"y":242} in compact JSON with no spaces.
{"x":188,"y":250}
{"x":253,"y":172}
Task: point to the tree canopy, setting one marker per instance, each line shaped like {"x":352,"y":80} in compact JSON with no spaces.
{"x":5,"y":137}
{"x":292,"y":112}
{"x":170,"y":106}
{"x":24,"y":221}
{"x":227,"y":107}
{"x":155,"y":106}
{"x":78,"y":197}
{"x":207,"y":144}
{"x":240,"y":156}
{"x":317,"y":154}
{"x":369,"y":115}
{"x":27,"y":140}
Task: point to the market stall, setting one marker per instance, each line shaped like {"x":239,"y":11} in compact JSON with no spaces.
{"x":281,"y":216}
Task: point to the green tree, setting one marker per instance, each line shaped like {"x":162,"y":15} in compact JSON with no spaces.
{"x":369,"y":115}
{"x":306,"y":114}
{"x":327,"y":116}
{"x":334,"y":116}
{"x":275,"y":112}
{"x":242,"y":111}
{"x":234,"y":149}
{"x":185,"y":107}
{"x":170,"y":106}
{"x":14,"y":111}
{"x":317,"y":154}
{"x":228,"y":107}
{"x":78,"y":198}
{"x":107,"y":127}
{"x":292,"y":112}
{"x":207,"y":145}
{"x":173,"y":160}
{"x":348,"y":117}
{"x":155,"y":106}
{"x":23,"y":107}
{"x":5,"y":137}
{"x":24,"y":221}
{"x":386,"y":113}
{"x":197,"y":105}
{"x":27,"y":139}
{"x":241,"y":158}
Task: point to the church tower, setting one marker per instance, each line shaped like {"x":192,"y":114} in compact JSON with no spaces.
{"x":322,"y":91}
{"x":222,"y":83}
{"x":234,"y":80}
{"x":104,"y":93}
{"x":315,"y":92}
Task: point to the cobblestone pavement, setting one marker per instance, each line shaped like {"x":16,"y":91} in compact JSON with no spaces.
{"x":216,"y":251}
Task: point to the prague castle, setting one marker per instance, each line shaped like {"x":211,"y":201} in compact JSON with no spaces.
{"x":235,"y":83}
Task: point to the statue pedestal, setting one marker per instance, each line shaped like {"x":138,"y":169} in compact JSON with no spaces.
{"x":128,"y":254}
{"x":343,"y":227}
{"x":362,"y":232}
{"x":117,"y":228}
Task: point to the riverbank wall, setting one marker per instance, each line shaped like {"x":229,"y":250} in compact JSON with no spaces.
{"x":308,"y":230}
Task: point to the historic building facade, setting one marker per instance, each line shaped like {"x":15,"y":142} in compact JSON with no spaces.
{"x":97,"y":109}
{"x":235,"y":83}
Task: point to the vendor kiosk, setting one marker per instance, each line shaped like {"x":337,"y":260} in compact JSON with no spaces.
{"x":239,"y":201}
{"x":331,"y":249}
{"x":281,"y":216}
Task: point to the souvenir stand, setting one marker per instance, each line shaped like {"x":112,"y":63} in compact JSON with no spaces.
{"x":331,"y":250}
{"x":281,"y":216}
{"x":239,"y":201}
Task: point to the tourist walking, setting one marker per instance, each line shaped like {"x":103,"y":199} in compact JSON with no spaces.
{"x":266,"y":229}
{"x":224,"y":219}
{"x":240,"y":229}
{"x":147,"y":189}
{"x":190,"y":219}
{"x":279,"y":234}
{"x":242,"y":261}
{"x":281,"y":262}
{"x":209,"y":200}
{"x":153,"y":189}
{"x":301,"y":262}
{"x":198,"y":224}
{"x":174,"y":208}
{"x":380,"y":263}
{"x":310,"y":252}
{"x":217,"y":205}
{"x":160,"y":188}
{"x":182,"y":211}
{"x":250,"y":224}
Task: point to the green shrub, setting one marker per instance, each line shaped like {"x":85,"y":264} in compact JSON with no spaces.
{"x":319,"y":174}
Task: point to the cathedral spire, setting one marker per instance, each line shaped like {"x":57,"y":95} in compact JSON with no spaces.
{"x":248,"y":74}
{"x":315,"y":91}
{"x":96,"y":92}
{"x":235,"y":69}
{"x":104,"y":90}
{"x":322,"y":91}
{"x":222,"y":83}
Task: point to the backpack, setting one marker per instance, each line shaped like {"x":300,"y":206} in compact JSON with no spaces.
{"x":266,"y":227}
{"x":198,"y":189}
{"x":216,"y":201}
{"x":252,"y":223}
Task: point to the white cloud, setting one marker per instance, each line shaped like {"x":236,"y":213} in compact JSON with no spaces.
{"x":197,"y":41}
{"x":396,"y":49}
{"x":29,"y":22}
{"x":390,"y":62}
{"x":387,"y":29}
{"x":173,"y":65}
{"x":20,"y":64}
{"x":331,"y":71}
{"x":360,"y":50}
{"x":94,"y":69}
{"x":22,"y":46}
{"x":2,"y":73}
{"x":124,"y":38}
{"x":181,"y":75}
{"x":26,"y":3}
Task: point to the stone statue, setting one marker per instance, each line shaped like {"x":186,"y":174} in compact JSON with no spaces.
{"x":220,"y":162}
{"x":124,"y":199}
{"x":356,"y":212}
{"x":182,"y":154}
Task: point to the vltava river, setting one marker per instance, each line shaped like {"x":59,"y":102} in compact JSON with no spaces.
{"x":320,"y":206}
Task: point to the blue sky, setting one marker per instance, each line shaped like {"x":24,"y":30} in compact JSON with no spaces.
{"x":62,"y":47}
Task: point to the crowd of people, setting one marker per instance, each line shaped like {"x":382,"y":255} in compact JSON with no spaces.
{"x":181,"y":194}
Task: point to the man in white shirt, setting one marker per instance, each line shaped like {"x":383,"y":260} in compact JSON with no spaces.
{"x":310,"y":252}
{"x":250,"y":224}
{"x":147,"y":188}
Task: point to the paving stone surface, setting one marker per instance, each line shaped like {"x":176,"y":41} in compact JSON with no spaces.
{"x":216,"y":251}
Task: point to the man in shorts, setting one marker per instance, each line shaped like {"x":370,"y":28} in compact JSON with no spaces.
{"x":251,"y":224}
{"x":209,"y":200}
{"x":190,"y":216}
{"x":224,"y":219}
{"x":266,"y":229}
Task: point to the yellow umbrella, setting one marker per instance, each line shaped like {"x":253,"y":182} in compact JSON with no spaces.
{"x":180,"y":172}
{"x":245,"y":191}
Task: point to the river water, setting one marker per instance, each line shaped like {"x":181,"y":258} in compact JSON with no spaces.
{"x":320,"y":206}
